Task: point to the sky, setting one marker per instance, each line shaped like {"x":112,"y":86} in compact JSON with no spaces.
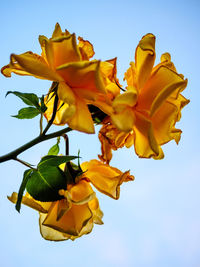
{"x":156,"y":220}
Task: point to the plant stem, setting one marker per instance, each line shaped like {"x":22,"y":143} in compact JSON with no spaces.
{"x":35,"y":141}
{"x":25,"y":163}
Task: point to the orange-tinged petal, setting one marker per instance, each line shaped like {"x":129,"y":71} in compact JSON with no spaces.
{"x":32,"y":203}
{"x":65,"y":49}
{"x":144,"y":59}
{"x":163,"y":79}
{"x":81,"y":120}
{"x":72,"y":222}
{"x":124,"y":120}
{"x":105,"y":178}
{"x":145,"y":142}
{"x":30,"y":64}
{"x":83,"y":75}
{"x":86,"y":49}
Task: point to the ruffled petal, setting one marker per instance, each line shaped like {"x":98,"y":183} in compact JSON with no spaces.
{"x":144,"y":59}
{"x":145,"y":142}
{"x":86,"y":49}
{"x":163,"y":122}
{"x":105,"y":178}
{"x":159,"y":87}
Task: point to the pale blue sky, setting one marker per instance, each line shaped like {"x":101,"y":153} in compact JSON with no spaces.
{"x":155,"y":222}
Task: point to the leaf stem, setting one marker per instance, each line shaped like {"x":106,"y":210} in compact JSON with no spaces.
{"x":24,"y":163}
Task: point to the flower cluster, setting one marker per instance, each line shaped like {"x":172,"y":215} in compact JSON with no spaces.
{"x":87,"y":92}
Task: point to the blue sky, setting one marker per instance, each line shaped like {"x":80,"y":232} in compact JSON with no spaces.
{"x":156,"y":220}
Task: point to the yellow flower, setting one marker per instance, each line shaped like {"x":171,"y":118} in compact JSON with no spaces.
{"x":103,"y":101}
{"x":151,"y":106}
{"x":67,"y":63}
{"x":70,"y":217}
{"x":75,"y":214}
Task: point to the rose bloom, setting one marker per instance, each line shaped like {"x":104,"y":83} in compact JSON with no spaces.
{"x":146,"y":113}
{"x":75,"y":214}
{"x":67,"y":63}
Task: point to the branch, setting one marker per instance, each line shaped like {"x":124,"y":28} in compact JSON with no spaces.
{"x":35,"y":141}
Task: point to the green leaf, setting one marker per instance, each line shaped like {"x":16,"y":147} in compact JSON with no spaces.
{"x":27,"y":113}
{"x":45,"y":183}
{"x":48,"y":179}
{"x":54,"y":150}
{"x":28,"y":99}
{"x":52,"y":160}
{"x":27,"y":175}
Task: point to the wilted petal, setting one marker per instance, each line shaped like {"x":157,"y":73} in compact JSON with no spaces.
{"x":86,"y":49}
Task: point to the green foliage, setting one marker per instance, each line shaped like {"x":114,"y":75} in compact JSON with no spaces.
{"x":36,"y":105}
{"x":27,"y":113}
{"x":27,"y":175}
{"x":48,"y":179}
{"x":54,"y":150}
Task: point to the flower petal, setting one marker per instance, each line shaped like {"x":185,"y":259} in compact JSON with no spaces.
{"x":30,"y":202}
{"x":81,"y":193}
{"x":49,"y":233}
{"x":65,"y":49}
{"x":86,"y":49}
{"x":83,"y":75}
{"x":81,"y":120}
{"x":144,"y":59}
{"x":72,"y":222}
{"x":145,"y":142}
{"x":105,"y":178}
{"x":161,"y":84}
{"x":163,"y":122}
{"x":30,"y":64}
{"x":124,"y":120}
